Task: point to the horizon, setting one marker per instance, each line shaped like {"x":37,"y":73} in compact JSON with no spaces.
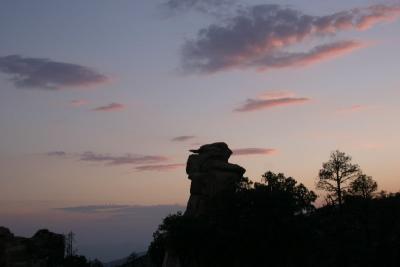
{"x":101,"y":103}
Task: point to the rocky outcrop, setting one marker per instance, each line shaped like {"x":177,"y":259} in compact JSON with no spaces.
{"x":211,"y":174}
{"x":44,"y":249}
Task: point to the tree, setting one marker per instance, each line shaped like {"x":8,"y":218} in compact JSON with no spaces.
{"x":286,"y":189}
{"x":336,"y":174}
{"x":363,"y":186}
{"x":243,"y":184}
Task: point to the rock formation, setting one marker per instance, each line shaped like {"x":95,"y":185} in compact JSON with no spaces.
{"x":211,"y":174}
{"x":44,"y":249}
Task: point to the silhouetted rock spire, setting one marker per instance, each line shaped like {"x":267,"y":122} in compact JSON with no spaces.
{"x":211,"y":174}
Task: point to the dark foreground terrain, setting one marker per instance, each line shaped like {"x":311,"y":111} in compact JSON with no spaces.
{"x":232,"y":222}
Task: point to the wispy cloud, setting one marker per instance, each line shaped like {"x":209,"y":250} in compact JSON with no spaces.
{"x":276,"y":94}
{"x":127,"y":159}
{"x":318,"y":53}
{"x":376,"y":14}
{"x":43,"y":73}
{"x":78,"y":102}
{"x":57,"y":153}
{"x":183,"y":138}
{"x":160,"y":167}
{"x":353,"y":108}
{"x":110,"y":107}
{"x":267,"y":101}
{"x":121,"y":160}
{"x":254,"y":151}
{"x":96,"y":208}
{"x":259,"y":36}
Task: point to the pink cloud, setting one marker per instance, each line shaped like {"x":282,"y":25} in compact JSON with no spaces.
{"x":276,"y":94}
{"x":254,"y":151}
{"x":266,"y":102}
{"x":317,"y":54}
{"x":261,"y":36}
{"x":110,"y":107}
{"x":353,"y":108}
{"x":376,"y":14}
{"x":161,"y":167}
{"x":328,"y":51}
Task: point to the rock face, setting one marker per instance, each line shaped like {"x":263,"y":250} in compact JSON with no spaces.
{"x":44,"y":249}
{"x":211,"y":174}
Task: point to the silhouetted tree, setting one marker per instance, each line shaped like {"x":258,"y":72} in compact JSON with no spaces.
{"x":336,"y":174}
{"x":270,"y":216}
{"x":76,"y":261}
{"x":243,"y":184}
{"x":298,"y":194}
{"x":363,"y":186}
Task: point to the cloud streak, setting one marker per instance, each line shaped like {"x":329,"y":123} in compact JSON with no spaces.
{"x":57,"y":154}
{"x":267,"y":102}
{"x":127,"y":159}
{"x":254,"y":151}
{"x":318,"y":53}
{"x":96,"y":208}
{"x":121,"y":160}
{"x":183,"y":138}
{"x":160,"y":167}
{"x":110,"y":107}
{"x":78,"y":102}
{"x":122,"y":210}
{"x":352,"y":109}
{"x":260,"y":37}
{"x":40,"y":73}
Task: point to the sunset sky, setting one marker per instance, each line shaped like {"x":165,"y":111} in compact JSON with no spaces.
{"x":100,"y":102}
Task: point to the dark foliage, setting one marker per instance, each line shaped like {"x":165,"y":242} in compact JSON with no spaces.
{"x":274,"y":223}
{"x":75,"y":261}
{"x":80,"y":261}
{"x":363,"y":186}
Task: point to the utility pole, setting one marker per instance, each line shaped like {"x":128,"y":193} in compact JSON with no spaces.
{"x":69,"y":244}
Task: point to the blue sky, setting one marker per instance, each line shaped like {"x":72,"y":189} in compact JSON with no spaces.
{"x":94,"y":92}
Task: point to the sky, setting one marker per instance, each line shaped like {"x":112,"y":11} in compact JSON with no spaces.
{"x":100,"y":102}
